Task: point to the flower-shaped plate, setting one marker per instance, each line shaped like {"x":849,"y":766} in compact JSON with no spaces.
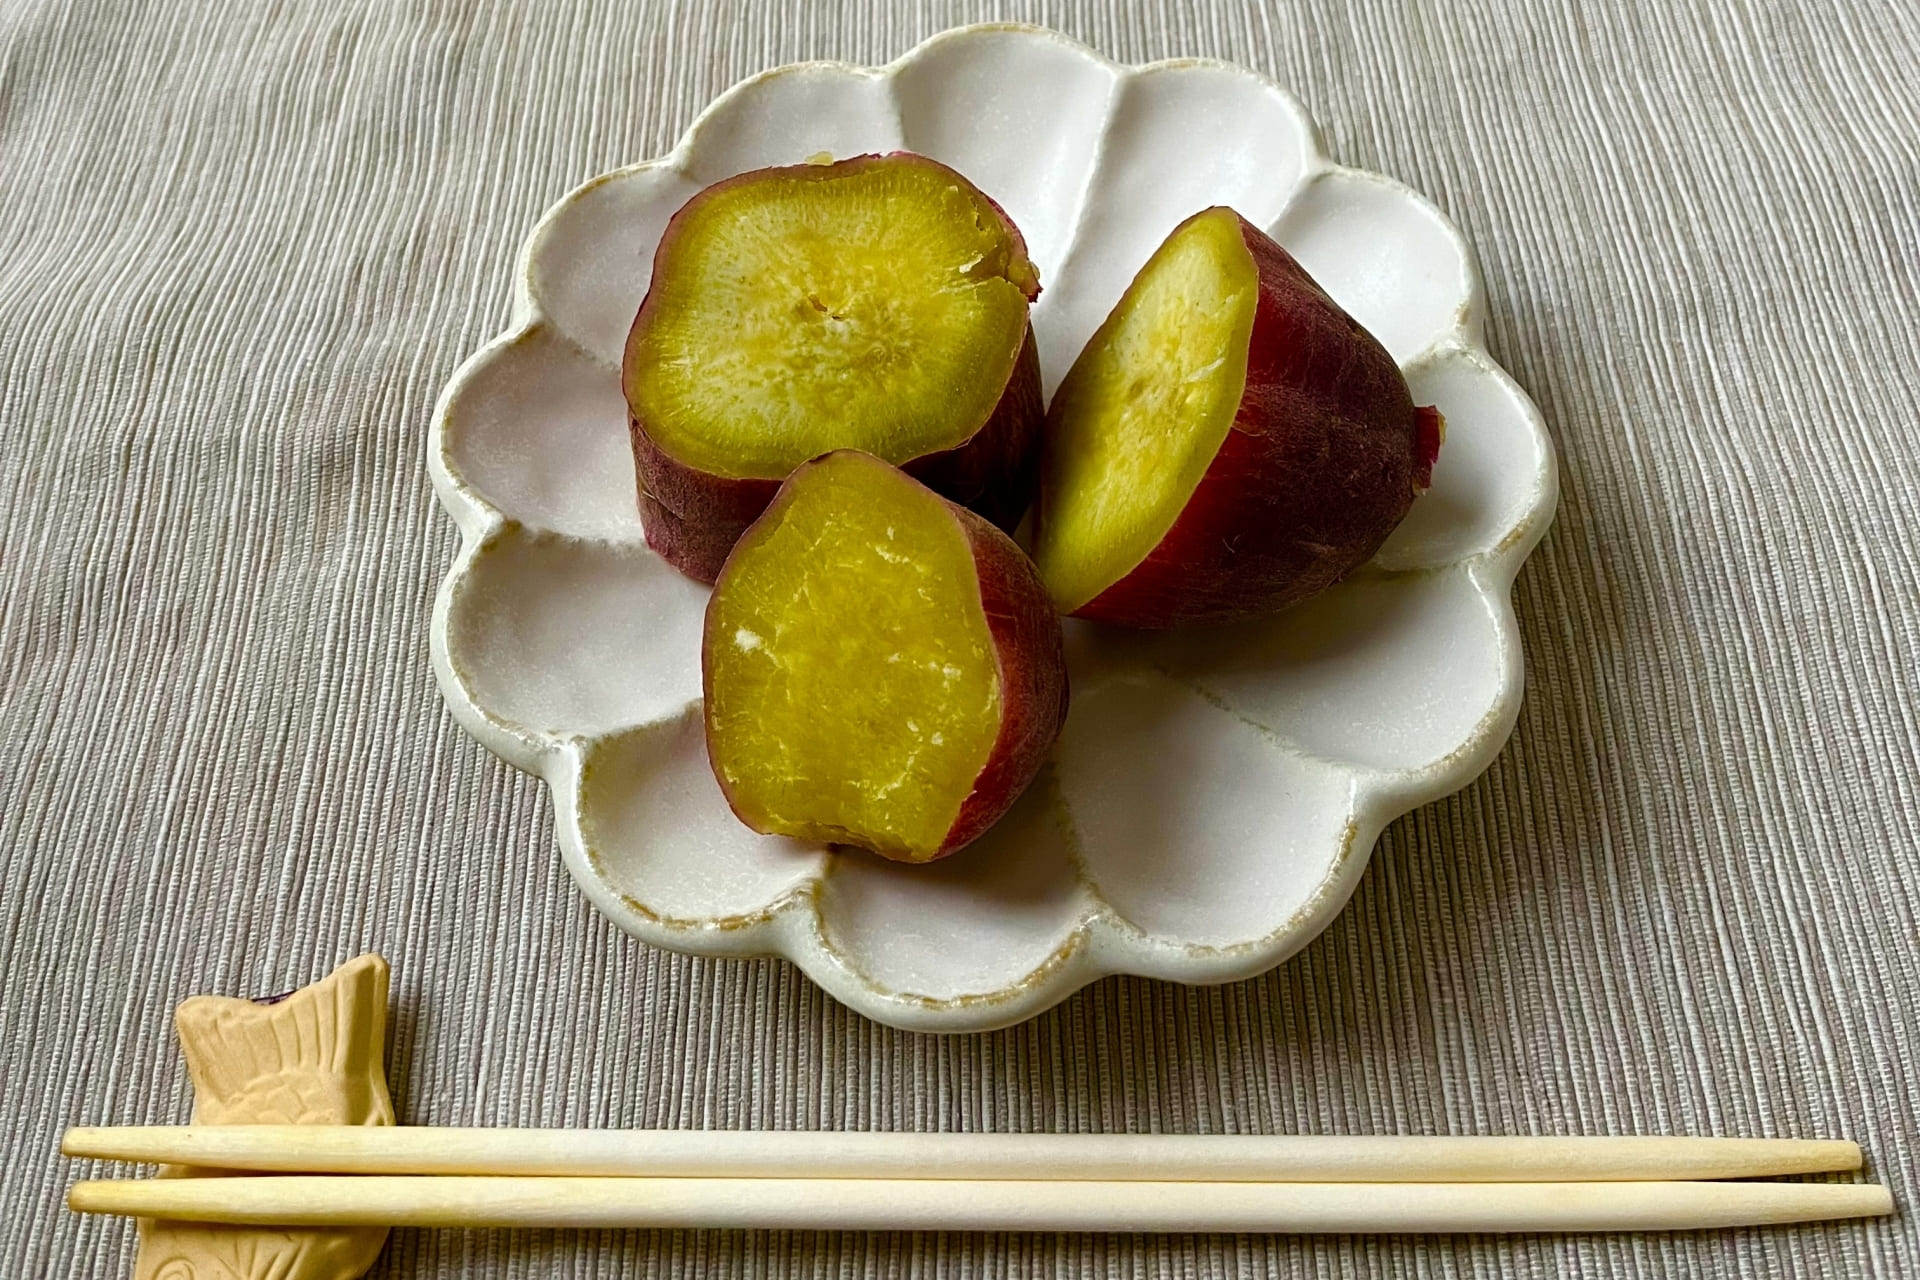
{"x":1216,"y":794}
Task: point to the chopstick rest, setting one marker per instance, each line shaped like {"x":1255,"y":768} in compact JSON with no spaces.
{"x":313,"y":1057}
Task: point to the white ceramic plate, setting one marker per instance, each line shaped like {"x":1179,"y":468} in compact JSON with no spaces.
{"x":1216,"y":794}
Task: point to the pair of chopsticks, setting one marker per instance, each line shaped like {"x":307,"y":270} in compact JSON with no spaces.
{"x":433,"y":1177}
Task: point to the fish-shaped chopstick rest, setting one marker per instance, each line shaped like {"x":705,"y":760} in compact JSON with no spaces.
{"x":316,"y":1056}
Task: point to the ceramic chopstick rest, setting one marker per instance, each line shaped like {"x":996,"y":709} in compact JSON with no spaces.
{"x":315,"y":1056}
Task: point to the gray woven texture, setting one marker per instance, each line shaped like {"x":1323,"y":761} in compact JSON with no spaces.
{"x":245,"y":244}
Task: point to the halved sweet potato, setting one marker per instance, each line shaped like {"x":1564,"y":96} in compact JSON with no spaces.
{"x":881,"y":666}
{"x":1229,"y":442}
{"x":878,"y":303}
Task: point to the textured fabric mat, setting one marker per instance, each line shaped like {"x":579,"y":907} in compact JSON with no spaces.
{"x":246,"y":243}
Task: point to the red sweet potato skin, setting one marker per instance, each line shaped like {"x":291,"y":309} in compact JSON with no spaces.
{"x":1325,"y":456}
{"x":692,"y":518}
{"x":1033,"y":678}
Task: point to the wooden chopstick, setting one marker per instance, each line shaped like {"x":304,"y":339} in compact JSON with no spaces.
{"x":929,"y":1205}
{"x":967,"y":1156}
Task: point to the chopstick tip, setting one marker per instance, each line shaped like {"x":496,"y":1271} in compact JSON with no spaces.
{"x":1883,"y":1201}
{"x":82,"y":1141}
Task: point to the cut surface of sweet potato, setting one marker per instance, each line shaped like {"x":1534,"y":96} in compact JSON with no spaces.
{"x":1145,"y":408}
{"x":877,"y":304}
{"x":852,"y":678}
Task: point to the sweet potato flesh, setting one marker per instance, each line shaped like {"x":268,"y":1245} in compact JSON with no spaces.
{"x":864,"y":305}
{"x":852,"y":682}
{"x":1145,"y":408}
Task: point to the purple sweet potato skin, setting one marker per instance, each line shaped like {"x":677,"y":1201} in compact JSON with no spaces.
{"x":1033,"y":678}
{"x":692,"y":518}
{"x":1323,"y":460}
{"x":997,"y":470}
